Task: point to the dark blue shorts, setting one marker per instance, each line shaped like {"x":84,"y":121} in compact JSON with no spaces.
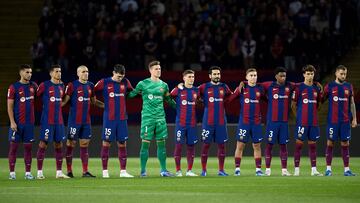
{"x":188,"y":133}
{"x":115,"y":131}
{"x":340,"y":131}
{"x":311,"y":133}
{"x":214,"y":133}
{"x":25,"y":134}
{"x":50,"y":133}
{"x":246,"y":131}
{"x":75,"y":132}
{"x":277,"y":132}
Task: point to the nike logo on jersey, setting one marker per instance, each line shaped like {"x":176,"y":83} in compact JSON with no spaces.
{"x":245,"y":92}
{"x":79,"y":91}
{"x":109,"y":88}
{"x":304,"y":93}
{"x":51,"y":91}
{"x":182,"y":95}
{"x":20,"y":92}
{"x":334,"y":92}
{"x":209,"y":92}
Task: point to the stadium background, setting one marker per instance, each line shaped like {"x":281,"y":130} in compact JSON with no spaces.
{"x":30,"y":30}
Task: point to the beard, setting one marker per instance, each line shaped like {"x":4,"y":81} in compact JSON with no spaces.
{"x":215,"y":80}
{"x":341,"y":81}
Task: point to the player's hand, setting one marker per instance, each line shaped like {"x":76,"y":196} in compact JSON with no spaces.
{"x":13,"y":126}
{"x":354,"y":123}
{"x":241,"y":86}
{"x":180,"y":86}
{"x":319,"y":86}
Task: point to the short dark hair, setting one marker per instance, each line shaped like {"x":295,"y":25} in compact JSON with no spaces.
{"x":24,"y":66}
{"x":308,"y":68}
{"x":280,"y":70}
{"x":250,"y":70}
{"x":341,"y":67}
{"x":214,"y":68}
{"x":153,"y":63}
{"x":119,"y":68}
{"x":188,"y":71}
{"x":53,"y":67}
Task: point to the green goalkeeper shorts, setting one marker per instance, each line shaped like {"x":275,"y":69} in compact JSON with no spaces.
{"x":151,"y":128}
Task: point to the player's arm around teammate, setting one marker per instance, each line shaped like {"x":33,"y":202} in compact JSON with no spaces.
{"x":185,"y":123}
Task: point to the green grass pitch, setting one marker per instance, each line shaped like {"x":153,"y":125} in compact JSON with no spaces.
{"x":246,"y":188}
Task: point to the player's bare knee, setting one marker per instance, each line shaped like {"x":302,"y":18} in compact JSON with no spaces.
{"x":84,"y":143}
{"x":330,"y":143}
{"x":122,"y":144}
{"x":256,"y":146}
{"x":311,"y":142}
{"x":57,"y":145}
{"x":70,"y":143}
{"x":42,"y":144}
{"x":345,"y":143}
{"x":148,"y":141}
{"x":299,"y":141}
{"x":106,"y":144}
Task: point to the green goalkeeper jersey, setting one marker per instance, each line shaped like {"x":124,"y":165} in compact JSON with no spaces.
{"x":153,"y":96}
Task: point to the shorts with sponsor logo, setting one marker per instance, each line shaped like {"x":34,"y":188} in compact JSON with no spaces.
{"x":152,"y":128}
{"x":214,"y":133}
{"x":277,"y":132}
{"x":339,"y":131}
{"x":75,"y":132}
{"x":311,"y":133}
{"x":188,"y":133}
{"x":50,"y":133}
{"x":115,"y":131}
{"x":24,"y":133}
{"x":246,"y":131}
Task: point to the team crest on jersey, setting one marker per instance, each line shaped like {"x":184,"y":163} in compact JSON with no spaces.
{"x":221,"y":92}
{"x":270,"y":139}
{"x":287,"y":89}
{"x":241,"y":137}
{"x":89,"y":91}
{"x":61,"y":92}
{"x":32,"y":90}
{"x":315,"y":94}
{"x":161,"y":89}
{"x":122,"y":87}
{"x":257,"y":94}
{"x":347,"y":92}
{"x":195,"y":96}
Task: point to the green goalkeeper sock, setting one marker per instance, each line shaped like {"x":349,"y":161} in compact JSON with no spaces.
{"x":144,"y":155}
{"x":161,"y":154}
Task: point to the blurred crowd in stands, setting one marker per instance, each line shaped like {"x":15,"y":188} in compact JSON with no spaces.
{"x":233,"y":34}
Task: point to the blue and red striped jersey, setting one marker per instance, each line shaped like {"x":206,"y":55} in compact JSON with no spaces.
{"x":23,"y":96}
{"x":185,"y":105}
{"x":51,"y":95}
{"x":214,"y":98}
{"x":339,"y":97}
{"x":114,"y":94}
{"x":80,"y":94}
{"x":250,"y":110}
{"x":307,"y":100}
{"x":279,"y":100}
